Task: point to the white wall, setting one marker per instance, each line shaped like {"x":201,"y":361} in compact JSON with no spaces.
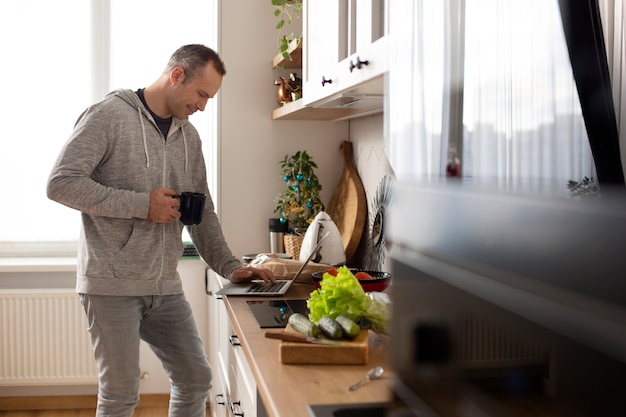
{"x":367,"y":136}
{"x":251,"y":144}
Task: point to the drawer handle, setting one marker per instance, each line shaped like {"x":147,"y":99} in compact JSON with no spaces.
{"x":206,"y":282}
{"x":358,"y":64}
{"x":232,"y":408}
{"x":234,"y":340}
{"x":219,"y":399}
{"x":325,"y":81}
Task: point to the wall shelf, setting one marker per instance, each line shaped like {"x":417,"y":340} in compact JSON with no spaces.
{"x":296,"y":59}
{"x":295,"y":110}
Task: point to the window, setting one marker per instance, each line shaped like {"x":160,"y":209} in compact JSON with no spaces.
{"x":491,"y":80}
{"x":523,"y":124}
{"x":56,"y":64}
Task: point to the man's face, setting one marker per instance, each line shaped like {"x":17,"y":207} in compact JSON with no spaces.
{"x":186,"y":96}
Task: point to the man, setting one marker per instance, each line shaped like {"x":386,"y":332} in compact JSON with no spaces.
{"x":128,"y":158}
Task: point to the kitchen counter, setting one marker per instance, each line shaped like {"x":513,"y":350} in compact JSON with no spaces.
{"x":287,"y":390}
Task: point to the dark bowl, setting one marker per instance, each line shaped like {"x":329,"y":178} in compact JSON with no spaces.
{"x":380,"y":280}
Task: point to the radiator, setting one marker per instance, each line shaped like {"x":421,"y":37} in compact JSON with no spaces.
{"x":484,"y":345}
{"x":44,"y":339}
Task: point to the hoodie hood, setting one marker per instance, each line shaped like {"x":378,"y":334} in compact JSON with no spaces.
{"x":132,"y":99}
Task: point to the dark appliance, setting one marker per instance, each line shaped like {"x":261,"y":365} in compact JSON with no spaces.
{"x":275,"y":313}
{"x":507,"y":305}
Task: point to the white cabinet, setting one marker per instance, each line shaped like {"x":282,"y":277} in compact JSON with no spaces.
{"x":234,"y":391}
{"x":218,"y":396}
{"x":344,"y":59}
{"x":321,"y":51}
{"x":344,"y":47}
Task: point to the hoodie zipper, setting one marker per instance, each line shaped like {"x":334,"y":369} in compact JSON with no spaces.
{"x":163,"y":225}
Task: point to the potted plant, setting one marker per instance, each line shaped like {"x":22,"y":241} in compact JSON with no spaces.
{"x":287,"y":12}
{"x":300,"y":202}
{"x":585,"y":189}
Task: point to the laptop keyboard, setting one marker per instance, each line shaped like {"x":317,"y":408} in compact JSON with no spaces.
{"x":258,"y":287}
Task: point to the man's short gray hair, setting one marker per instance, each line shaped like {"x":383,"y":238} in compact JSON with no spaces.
{"x":193,"y":58}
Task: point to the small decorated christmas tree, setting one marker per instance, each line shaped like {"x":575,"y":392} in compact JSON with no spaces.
{"x":300,"y":202}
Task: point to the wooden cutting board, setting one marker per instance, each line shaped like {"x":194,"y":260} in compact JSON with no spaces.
{"x":348,"y":205}
{"x":354,"y":352}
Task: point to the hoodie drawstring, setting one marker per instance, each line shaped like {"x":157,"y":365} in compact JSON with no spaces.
{"x":145,"y":143}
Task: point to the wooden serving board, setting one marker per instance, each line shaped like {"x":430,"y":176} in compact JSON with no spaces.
{"x":354,"y":352}
{"x":348,"y":205}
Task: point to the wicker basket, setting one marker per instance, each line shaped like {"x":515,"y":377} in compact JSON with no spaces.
{"x":293,"y":243}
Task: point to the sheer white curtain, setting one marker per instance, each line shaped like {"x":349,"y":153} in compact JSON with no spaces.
{"x":524,"y":130}
{"x":416,"y":86}
{"x":613,"y":14}
{"x":522,"y":125}
{"x":54,"y":67}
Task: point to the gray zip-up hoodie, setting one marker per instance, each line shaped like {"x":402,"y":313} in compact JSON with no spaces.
{"x":113,"y":159}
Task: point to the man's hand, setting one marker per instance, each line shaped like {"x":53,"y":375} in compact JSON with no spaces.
{"x":163,"y":206}
{"x":249,"y":273}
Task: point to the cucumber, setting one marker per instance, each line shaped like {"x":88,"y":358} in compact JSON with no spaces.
{"x":349,"y":327}
{"x":302,"y":324}
{"x":330,"y":328}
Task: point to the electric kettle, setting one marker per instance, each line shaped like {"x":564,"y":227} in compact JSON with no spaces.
{"x":331,"y":252}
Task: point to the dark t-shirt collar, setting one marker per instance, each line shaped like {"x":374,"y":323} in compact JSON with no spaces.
{"x":163,"y":124}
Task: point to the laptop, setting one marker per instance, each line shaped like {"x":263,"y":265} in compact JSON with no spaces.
{"x":257,"y":287}
{"x":262,"y":288}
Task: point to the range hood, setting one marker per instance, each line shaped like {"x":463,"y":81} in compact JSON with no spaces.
{"x":363,"y":99}
{"x":354,"y":101}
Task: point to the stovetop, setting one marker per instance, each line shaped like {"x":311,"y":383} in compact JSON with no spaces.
{"x":275,"y":313}
{"x":349,"y":410}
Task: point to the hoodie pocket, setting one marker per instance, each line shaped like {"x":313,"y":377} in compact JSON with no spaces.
{"x":141,"y":256}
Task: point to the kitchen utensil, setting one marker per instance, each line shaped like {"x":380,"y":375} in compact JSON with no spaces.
{"x":301,"y":338}
{"x":380,"y":280}
{"x":332,"y":253}
{"x":373,"y":373}
{"x":348,"y":205}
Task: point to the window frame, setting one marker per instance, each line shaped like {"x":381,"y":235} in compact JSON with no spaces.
{"x":100,"y":61}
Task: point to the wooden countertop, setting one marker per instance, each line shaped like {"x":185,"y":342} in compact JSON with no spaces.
{"x":287,"y":390}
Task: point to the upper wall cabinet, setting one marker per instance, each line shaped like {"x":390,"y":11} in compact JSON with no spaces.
{"x":344,"y":59}
{"x":342,"y":46}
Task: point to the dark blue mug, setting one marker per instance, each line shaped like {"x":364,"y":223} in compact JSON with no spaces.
{"x":191,"y":207}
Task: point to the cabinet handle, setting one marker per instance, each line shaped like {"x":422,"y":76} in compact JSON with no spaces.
{"x":234,"y":340}
{"x":325,"y":81}
{"x":358,"y":64}
{"x":219,"y":399}
{"x":232,"y":408}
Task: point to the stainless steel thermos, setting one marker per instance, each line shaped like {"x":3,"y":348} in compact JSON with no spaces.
{"x":277,"y":232}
